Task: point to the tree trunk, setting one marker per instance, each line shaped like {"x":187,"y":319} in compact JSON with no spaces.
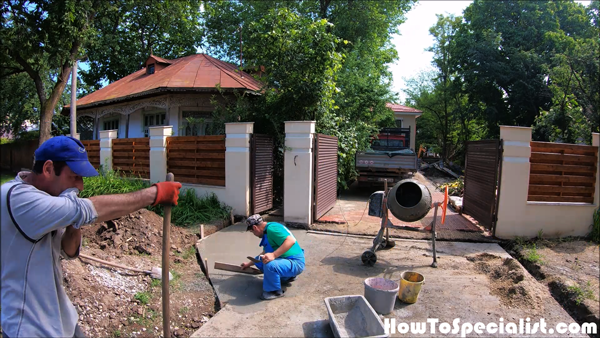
{"x":50,"y":104}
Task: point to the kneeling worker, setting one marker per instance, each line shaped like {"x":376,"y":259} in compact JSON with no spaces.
{"x":282,"y":256}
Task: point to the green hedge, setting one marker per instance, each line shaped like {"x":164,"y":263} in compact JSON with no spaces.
{"x":190,"y":209}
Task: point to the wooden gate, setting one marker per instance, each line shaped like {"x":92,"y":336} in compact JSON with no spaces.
{"x":325,"y":164}
{"x":482,"y":176}
{"x":261,"y":173}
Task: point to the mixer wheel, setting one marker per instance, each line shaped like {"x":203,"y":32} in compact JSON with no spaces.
{"x":369,"y":258}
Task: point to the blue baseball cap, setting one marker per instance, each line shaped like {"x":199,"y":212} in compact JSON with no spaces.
{"x":69,"y":150}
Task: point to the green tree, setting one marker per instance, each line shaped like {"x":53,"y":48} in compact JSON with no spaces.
{"x":41,"y":37}
{"x":447,"y":122}
{"x":18,"y":103}
{"x":132,"y":30}
{"x":353,"y":98}
{"x":505,"y":52}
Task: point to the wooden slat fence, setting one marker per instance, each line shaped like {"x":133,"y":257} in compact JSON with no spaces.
{"x":18,"y":155}
{"x":93,"y":149}
{"x":197,"y":159}
{"x":131,"y":156}
{"x":562,"y":172}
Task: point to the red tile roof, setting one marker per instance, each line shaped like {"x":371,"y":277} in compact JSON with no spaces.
{"x":398,"y":108}
{"x":194,"y":72}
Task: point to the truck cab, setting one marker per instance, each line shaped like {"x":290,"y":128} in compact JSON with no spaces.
{"x":392,"y":154}
{"x":389,"y":158}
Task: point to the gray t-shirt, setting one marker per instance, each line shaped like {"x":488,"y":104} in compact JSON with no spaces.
{"x":34,"y":302}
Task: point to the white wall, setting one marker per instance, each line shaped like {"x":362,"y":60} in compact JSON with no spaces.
{"x":409,"y":120}
{"x":135,"y":124}
{"x":519,"y":217}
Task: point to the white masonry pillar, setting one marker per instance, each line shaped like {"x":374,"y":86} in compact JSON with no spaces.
{"x":298,"y":172}
{"x":77,"y":135}
{"x":514,"y":187}
{"x":237,"y":166}
{"x":158,"y":152}
{"x":106,"y":137}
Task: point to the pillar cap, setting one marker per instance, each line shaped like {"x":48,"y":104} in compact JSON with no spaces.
{"x":160,"y":131}
{"x":300,"y":127}
{"x":239,"y":128}
{"x":108,"y":134}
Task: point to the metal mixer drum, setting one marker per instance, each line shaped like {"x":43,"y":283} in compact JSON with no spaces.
{"x":409,"y":200}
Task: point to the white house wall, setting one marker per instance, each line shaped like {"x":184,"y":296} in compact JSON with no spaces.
{"x":409,"y":120}
{"x":135,"y":125}
{"x":173,"y":104}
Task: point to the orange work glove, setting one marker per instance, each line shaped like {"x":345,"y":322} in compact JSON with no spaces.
{"x":167,"y":193}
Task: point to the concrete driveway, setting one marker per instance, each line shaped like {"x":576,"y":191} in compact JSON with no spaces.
{"x":350,"y":215}
{"x":456,"y":289}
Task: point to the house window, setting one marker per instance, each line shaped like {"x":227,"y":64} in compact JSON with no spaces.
{"x":152,"y":120}
{"x":196,"y":123}
{"x":399,"y":123}
{"x":150,"y":69}
{"x":112,"y":124}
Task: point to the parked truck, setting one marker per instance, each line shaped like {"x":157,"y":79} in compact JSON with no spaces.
{"x":389,"y":158}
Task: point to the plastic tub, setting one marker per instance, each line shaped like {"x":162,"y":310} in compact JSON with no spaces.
{"x":381,"y":293}
{"x":352,"y":316}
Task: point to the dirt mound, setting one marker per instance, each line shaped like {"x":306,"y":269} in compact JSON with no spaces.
{"x":137,"y":233}
{"x":120,"y":303}
{"x":510,"y":282}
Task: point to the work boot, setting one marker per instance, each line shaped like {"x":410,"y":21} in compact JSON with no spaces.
{"x":268,"y":295}
{"x":288,"y":281}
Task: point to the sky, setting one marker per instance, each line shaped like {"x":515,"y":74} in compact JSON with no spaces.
{"x":414,"y":38}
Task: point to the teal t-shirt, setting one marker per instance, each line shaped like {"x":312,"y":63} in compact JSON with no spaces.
{"x":276,"y":235}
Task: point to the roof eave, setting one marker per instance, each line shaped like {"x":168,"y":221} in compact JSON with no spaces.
{"x":148,"y":93}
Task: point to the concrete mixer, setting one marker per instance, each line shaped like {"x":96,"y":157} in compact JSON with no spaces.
{"x":409,"y":201}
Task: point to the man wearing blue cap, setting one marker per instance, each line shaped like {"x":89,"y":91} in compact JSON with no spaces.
{"x":41,"y":220}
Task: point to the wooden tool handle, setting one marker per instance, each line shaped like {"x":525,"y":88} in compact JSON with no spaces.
{"x":165,"y":265}
{"x":111,"y":263}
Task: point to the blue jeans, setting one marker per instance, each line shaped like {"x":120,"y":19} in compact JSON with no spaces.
{"x":279,"y":270}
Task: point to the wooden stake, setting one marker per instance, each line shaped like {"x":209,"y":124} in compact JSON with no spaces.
{"x":201,"y":231}
{"x":165,"y":265}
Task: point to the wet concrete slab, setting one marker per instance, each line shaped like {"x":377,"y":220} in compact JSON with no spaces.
{"x":333,"y":268}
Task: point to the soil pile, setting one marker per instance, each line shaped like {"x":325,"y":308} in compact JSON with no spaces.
{"x":120,"y":303}
{"x":510,"y":282}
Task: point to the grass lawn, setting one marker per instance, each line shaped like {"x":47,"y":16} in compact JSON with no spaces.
{"x":5,"y":177}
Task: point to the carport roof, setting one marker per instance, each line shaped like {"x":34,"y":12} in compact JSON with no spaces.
{"x":194,"y":72}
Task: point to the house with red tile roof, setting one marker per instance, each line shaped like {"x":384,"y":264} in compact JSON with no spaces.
{"x":406,"y":117}
{"x":162,"y":92}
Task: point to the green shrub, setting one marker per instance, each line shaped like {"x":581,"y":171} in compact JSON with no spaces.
{"x":595,"y":234}
{"x":110,"y":182}
{"x":143,"y":297}
{"x":530,"y":254}
{"x":190,"y":208}
{"x":581,"y":293}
